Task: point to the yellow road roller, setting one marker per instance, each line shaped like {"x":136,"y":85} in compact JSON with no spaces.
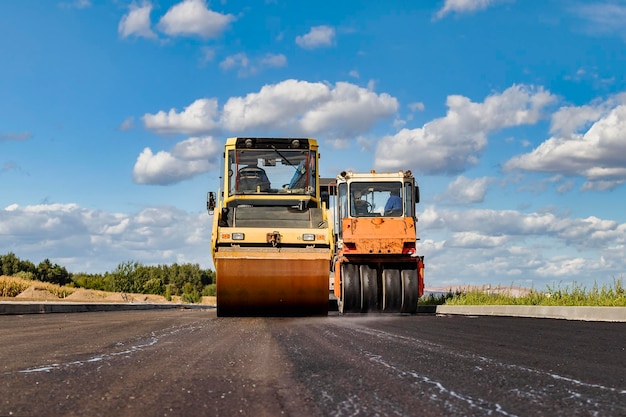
{"x":272,"y":241}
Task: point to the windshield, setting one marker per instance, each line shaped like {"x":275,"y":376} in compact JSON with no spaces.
{"x":271,"y":171}
{"x":375,"y":199}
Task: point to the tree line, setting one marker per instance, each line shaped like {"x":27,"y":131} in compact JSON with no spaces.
{"x":188,"y":281}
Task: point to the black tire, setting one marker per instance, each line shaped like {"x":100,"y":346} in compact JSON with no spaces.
{"x":409,"y":291}
{"x":392,"y":291}
{"x":350,"y":289}
{"x":369,"y":289}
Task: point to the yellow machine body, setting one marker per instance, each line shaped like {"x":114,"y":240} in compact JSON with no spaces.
{"x":272,"y":241}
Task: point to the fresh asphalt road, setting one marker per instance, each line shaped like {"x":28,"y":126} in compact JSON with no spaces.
{"x":191,"y":363}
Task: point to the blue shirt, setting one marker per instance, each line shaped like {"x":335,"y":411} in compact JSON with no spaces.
{"x":394,"y":203}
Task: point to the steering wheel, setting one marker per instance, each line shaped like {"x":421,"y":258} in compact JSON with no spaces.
{"x":363,"y":206}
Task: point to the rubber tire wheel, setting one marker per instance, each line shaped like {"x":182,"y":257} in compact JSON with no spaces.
{"x":369,"y":289}
{"x":392,"y":291}
{"x":410,"y":294}
{"x":350,"y":289}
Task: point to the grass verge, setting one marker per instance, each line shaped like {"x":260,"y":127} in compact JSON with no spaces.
{"x":569,"y":295}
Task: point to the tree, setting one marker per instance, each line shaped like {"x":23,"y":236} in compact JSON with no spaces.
{"x":10,"y":265}
{"x":124,"y":277}
{"x":48,"y":272}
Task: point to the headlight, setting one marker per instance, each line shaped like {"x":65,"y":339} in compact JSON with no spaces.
{"x":308,"y":237}
{"x":238,"y":236}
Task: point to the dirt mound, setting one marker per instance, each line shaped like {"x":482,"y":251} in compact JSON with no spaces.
{"x":118,"y":297}
{"x":37,"y":293}
{"x":82,"y":294}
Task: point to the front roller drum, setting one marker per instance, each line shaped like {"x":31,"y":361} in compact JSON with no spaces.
{"x":263,"y":284}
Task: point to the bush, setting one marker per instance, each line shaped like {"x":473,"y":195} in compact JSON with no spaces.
{"x":209,"y":290}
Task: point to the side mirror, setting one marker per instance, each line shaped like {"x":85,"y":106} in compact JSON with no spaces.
{"x":210,"y":202}
{"x":417,"y":194}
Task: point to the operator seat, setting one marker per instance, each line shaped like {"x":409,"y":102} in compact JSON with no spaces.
{"x":251,"y":177}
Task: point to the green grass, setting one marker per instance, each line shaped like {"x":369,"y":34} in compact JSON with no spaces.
{"x":569,"y":295}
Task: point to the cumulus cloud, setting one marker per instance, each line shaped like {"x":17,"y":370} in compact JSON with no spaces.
{"x":96,"y":241}
{"x":317,"y":37}
{"x":199,"y":117}
{"x":451,"y":144}
{"x":500,"y":246}
{"x":300,"y":107}
{"x":187,"y":159}
{"x":246,"y":67}
{"x":465,"y":6}
{"x":465,"y":190}
{"x":193,"y":17}
{"x":597,"y":154}
{"x":340,"y":113}
{"x":137,"y":22}
{"x":475,"y":240}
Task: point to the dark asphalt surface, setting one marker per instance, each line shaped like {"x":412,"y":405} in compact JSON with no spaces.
{"x":191,"y":363}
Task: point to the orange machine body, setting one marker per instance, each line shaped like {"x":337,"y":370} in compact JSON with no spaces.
{"x":376,"y":267}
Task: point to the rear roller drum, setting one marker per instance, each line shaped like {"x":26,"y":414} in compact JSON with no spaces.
{"x":392,"y":291}
{"x":369,"y":289}
{"x":409,"y":291}
{"x":350,"y":289}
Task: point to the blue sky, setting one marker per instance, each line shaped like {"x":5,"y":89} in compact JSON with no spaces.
{"x":113,"y":115}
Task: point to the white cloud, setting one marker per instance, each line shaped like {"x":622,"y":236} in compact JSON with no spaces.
{"x":137,"y":22}
{"x":465,"y":190}
{"x":187,"y":159}
{"x":318,"y":37}
{"x":76,"y":4}
{"x":339,"y":113}
{"x":598,"y":155}
{"x":416,"y":106}
{"x":497,"y":246}
{"x":193,"y":17}
{"x":604,"y":18}
{"x":301,"y":107}
{"x":568,"y":120}
{"x":127,"y":124}
{"x":98,"y":241}
{"x":455,"y":142}
{"x":465,"y":6}
{"x":247,"y":67}
{"x":199,"y":117}
{"x":273,"y":61}
{"x":475,"y":240}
